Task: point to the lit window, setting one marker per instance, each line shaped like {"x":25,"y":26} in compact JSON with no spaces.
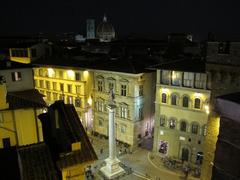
{"x":185,"y":101}
{"x":165,"y":77}
{"x":70,"y":100}
{"x":205,"y":130}
{"x":183,"y":126}
{"x":16,"y":76}
{"x":172,"y":123}
{"x":164,"y":98}
{"x":162,"y":120}
{"x":176,"y":78}
{"x":100,"y":105}
{"x":140,"y":90}
{"x":123,"y":111}
{"x":194,"y":128}
{"x":174,"y":99}
{"x":70,"y":74}
{"x":200,"y":80}
{"x":197,"y":103}
{"x":188,"y":79}
{"x":123,"y":90}
{"x":50,"y":72}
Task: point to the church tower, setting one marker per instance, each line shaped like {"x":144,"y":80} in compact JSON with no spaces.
{"x":90,"y":29}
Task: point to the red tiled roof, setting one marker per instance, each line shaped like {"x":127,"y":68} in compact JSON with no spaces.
{"x":25,"y":99}
{"x":36,"y":163}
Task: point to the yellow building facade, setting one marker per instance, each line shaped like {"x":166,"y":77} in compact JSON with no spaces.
{"x":181,"y":114}
{"x":29,"y":52}
{"x":210,"y":147}
{"x":18,"y":126}
{"x":74,"y":86}
{"x":89,"y":91}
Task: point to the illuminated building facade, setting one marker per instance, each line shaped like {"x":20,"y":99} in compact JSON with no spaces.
{"x":73,"y":86}
{"x":29,"y":52}
{"x":20,"y":104}
{"x":134,"y":111}
{"x":181,"y":110}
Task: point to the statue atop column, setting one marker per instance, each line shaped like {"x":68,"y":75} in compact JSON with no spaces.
{"x":111,"y":97}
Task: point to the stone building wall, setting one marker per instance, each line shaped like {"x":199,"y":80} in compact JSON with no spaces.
{"x":209,"y":147}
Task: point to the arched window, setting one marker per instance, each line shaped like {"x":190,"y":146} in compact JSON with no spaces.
{"x":174,"y":99}
{"x":185,"y":101}
{"x":183,"y":126}
{"x":172,"y":123}
{"x":195,"y":128}
{"x":164,"y":98}
{"x":197,"y":103}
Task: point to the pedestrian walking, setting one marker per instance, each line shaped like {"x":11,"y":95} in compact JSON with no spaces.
{"x":186,"y":172}
{"x":101,"y":150}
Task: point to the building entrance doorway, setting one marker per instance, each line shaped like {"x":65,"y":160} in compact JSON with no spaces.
{"x":185,"y":154}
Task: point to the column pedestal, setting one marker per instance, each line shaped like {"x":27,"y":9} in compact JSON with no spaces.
{"x":112,"y":168}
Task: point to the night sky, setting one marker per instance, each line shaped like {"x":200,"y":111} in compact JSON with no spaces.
{"x":127,"y":16}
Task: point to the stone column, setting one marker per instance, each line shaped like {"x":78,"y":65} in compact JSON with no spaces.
{"x":112,"y":168}
{"x":111,"y":130}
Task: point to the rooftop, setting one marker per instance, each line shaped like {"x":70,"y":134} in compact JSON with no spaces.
{"x":229,"y":105}
{"x":7,"y":64}
{"x":25,"y":99}
{"x":36,"y":162}
{"x":184,"y":64}
{"x":130,"y":64}
{"x":70,"y":131}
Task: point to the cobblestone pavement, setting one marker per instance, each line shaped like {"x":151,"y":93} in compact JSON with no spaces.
{"x":143,"y":163}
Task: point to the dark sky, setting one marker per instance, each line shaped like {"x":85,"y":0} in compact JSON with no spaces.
{"x":127,"y":16}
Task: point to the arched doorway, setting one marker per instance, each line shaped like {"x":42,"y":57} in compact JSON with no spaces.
{"x":185,"y":154}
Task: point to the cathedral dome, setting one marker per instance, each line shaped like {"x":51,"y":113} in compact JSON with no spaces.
{"x":105,"y":31}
